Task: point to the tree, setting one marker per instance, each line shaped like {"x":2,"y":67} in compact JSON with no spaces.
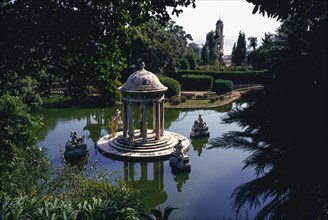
{"x":160,"y":47}
{"x":15,"y":126}
{"x":257,"y":58}
{"x":211,"y":49}
{"x":278,"y":140}
{"x":184,"y":64}
{"x":239,"y":53}
{"x":205,"y":55}
{"x":252,"y":42}
{"x":76,"y":43}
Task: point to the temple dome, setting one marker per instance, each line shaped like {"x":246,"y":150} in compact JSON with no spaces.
{"x":143,"y":81}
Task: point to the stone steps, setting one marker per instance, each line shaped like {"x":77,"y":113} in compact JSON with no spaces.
{"x":122,"y":144}
{"x":120,"y":147}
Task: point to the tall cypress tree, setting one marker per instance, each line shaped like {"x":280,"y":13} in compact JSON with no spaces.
{"x":239,"y":52}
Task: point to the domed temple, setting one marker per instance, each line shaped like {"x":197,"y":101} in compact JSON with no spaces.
{"x":144,"y":90}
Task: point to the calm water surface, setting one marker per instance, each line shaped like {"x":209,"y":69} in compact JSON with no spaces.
{"x":201,"y":194}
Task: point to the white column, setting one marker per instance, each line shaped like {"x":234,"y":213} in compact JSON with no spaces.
{"x":125,"y":119}
{"x":162,"y":118}
{"x":144,"y":122}
{"x":154,"y":117}
{"x":130,"y":121}
{"x":157,"y":121}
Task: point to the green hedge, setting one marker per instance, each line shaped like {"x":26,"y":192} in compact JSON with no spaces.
{"x":221,"y":86}
{"x":196,"y":82}
{"x":173,"y":86}
{"x":237,"y":77}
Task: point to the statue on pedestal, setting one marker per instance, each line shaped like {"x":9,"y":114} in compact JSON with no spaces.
{"x":179,"y":158}
{"x":118,"y":121}
{"x":75,"y":147}
{"x":199,"y":128}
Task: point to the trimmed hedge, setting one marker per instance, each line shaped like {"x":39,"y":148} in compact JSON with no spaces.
{"x":196,"y":82}
{"x":237,"y":77}
{"x":221,"y":86}
{"x":173,"y":86}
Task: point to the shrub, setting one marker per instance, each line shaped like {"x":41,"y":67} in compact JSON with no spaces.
{"x":184,"y":64}
{"x":222,"y":86}
{"x":183,"y":98}
{"x":237,"y":77}
{"x":15,"y":126}
{"x":191,"y":60}
{"x":40,"y":208}
{"x":214,"y":99}
{"x":173,"y":86}
{"x":196,"y":82}
{"x":201,"y":97}
{"x":175,"y":100}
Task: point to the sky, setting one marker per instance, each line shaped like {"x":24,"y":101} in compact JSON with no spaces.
{"x":236,"y":16}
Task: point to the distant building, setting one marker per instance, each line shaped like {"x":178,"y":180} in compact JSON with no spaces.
{"x":227,"y":60}
{"x":219,"y":33}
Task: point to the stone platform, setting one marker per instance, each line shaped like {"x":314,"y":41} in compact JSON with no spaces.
{"x":119,"y":147}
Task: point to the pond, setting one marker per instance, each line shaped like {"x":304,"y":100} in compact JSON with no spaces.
{"x":203,"y":193}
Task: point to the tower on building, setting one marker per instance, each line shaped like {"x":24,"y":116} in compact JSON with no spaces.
{"x":219,"y":34}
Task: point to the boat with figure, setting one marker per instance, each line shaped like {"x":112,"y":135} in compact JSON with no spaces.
{"x":75,"y":147}
{"x":199,"y":128}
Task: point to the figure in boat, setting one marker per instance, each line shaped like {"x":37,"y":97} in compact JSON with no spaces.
{"x":118,"y":121}
{"x":75,"y":147}
{"x":199,"y":128}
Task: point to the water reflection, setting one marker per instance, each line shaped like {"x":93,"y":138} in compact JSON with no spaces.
{"x":203,"y":193}
{"x":199,"y":144}
{"x":179,"y":177}
{"x":150,"y":183}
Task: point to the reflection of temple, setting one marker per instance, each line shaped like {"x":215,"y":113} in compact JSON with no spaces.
{"x":151,"y":184}
{"x":95,"y":122}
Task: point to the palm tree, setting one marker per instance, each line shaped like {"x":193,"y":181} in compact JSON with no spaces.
{"x":286,"y":139}
{"x":252,"y":42}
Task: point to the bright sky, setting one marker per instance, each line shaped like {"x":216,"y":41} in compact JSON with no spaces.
{"x":236,"y":16}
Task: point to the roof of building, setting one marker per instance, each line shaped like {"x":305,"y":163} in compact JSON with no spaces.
{"x":143,"y":81}
{"x":219,"y":21}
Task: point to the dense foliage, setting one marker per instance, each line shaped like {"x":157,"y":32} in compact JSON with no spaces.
{"x":286,"y":140}
{"x":196,"y":82}
{"x":15,"y":126}
{"x":211,"y":50}
{"x":72,"y":44}
{"x":257,"y":57}
{"x":173,"y":86}
{"x":238,"y":77}
{"x":159,"y":47}
{"x":221,"y":86}
{"x":30,"y":187}
{"x":238,"y":54}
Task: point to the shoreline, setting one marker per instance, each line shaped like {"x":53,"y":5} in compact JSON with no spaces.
{"x":231,"y":96}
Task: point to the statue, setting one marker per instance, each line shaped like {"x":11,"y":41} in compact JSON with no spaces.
{"x":75,"y":138}
{"x":178,"y":147}
{"x":117,"y":116}
{"x":75,"y":147}
{"x":179,"y":158}
{"x":118,"y":121}
{"x":199,"y":128}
